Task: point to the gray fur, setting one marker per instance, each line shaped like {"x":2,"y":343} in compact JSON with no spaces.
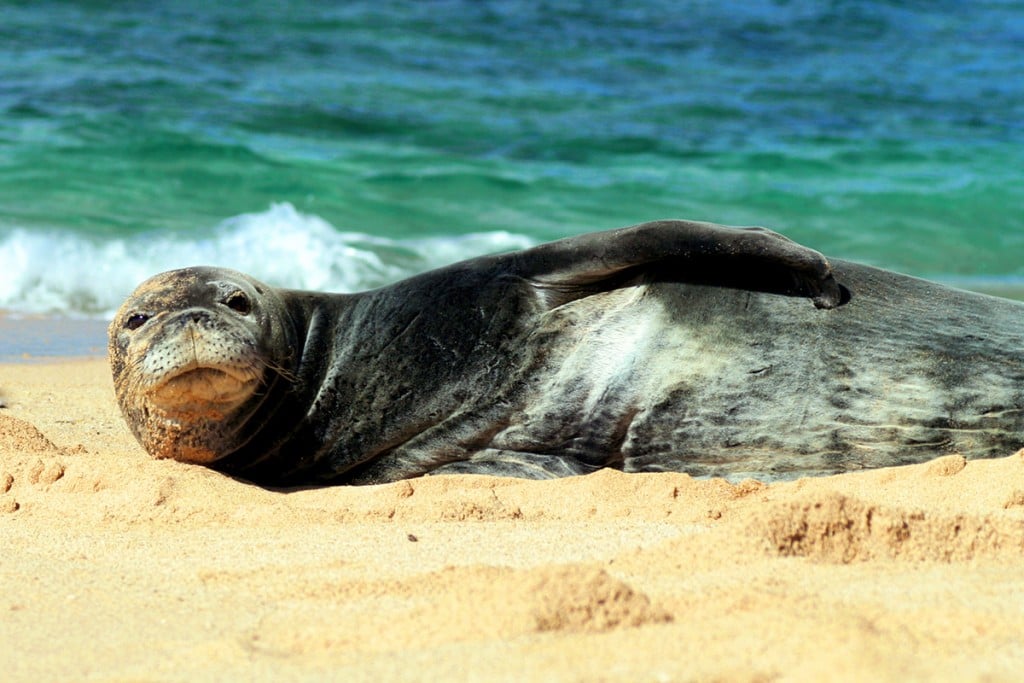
{"x":667,"y":346}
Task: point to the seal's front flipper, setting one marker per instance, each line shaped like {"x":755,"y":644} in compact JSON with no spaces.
{"x":498,"y":463}
{"x":680,"y":251}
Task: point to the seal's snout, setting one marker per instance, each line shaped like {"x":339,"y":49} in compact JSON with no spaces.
{"x":203,"y":390}
{"x":200,"y":359}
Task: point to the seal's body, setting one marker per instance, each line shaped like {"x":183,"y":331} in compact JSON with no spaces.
{"x":666,"y":346}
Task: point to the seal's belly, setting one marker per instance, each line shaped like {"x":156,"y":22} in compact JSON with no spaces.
{"x":732,"y":383}
{"x":609,"y":362}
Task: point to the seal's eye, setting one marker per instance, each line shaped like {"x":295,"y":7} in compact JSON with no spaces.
{"x":135,"y":321}
{"x":238,"y":302}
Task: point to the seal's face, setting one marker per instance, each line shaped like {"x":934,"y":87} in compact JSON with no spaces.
{"x":190,"y":351}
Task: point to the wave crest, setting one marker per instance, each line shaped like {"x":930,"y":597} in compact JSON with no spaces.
{"x":69,"y":274}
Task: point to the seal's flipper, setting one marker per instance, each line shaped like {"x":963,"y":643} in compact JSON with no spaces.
{"x":680,"y":251}
{"x":499,"y":463}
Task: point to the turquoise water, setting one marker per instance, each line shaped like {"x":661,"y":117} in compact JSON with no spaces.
{"x":342,"y":148}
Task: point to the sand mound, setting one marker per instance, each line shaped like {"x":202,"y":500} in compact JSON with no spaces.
{"x":836,"y":528}
{"x":20,"y":436}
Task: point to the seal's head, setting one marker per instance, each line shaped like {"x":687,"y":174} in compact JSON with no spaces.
{"x":192,"y":353}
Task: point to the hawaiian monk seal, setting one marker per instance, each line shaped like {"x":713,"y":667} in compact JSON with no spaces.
{"x":670,"y":345}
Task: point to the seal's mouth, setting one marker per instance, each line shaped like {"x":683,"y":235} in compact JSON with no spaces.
{"x":200,"y":388}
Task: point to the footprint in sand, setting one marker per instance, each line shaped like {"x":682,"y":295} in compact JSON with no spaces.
{"x":28,"y":455}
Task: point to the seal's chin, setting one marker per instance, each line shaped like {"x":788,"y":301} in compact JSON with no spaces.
{"x":204,"y":389}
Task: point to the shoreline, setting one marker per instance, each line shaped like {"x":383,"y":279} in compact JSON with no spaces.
{"x":34,"y":338}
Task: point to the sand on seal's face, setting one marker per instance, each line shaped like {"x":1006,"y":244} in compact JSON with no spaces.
{"x":203,"y":386}
{"x":117,"y":566}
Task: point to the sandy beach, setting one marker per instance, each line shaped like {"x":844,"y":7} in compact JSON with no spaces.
{"x":116,"y":567}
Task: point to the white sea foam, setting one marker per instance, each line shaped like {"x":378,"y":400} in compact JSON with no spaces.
{"x":67,"y":273}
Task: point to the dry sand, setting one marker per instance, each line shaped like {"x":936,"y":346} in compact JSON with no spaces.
{"x":116,"y":567}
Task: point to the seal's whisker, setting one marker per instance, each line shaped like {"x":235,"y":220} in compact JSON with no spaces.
{"x":280,"y":370}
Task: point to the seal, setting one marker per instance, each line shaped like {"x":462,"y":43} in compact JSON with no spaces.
{"x":671,"y":345}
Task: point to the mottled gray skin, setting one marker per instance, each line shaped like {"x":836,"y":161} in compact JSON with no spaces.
{"x":666,"y":346}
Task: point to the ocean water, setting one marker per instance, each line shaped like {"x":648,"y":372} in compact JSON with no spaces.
{"x":344,"y":147}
